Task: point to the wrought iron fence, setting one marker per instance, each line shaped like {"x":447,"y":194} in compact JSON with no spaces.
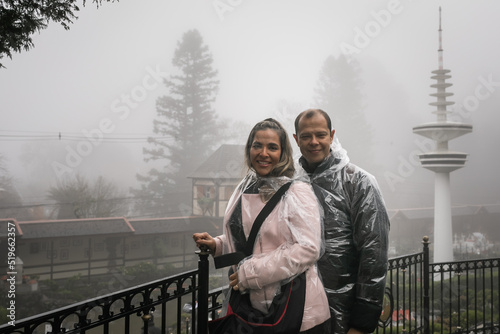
{"x":131,"y":310}
{"x":404,"y":305}
{"x":454,"y":297}
{"x":465,"y":296}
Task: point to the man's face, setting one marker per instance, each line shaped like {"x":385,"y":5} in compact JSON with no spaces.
{"x":314,"y":139}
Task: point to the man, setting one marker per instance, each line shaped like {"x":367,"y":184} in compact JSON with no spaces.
{"x":356,"y":229}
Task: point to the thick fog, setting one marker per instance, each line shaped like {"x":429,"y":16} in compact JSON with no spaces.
{"x":103,"y":76}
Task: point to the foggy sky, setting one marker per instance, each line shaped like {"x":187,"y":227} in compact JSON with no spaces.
{"x":105,"y":73}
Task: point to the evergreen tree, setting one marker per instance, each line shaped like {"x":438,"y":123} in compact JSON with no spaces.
{"x":20,"y":19}
{"x":339,"y":93}
{"x":187,"y":118}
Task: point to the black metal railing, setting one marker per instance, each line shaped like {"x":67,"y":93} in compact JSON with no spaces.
{"x":465,"y":296}
{"x":455,"y":297}
{"x":131,"y":310}
{"x":404,"y":305}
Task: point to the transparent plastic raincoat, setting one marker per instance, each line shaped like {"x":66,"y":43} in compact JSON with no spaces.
{"x":356,"y":227}
{"x":289,"y":243}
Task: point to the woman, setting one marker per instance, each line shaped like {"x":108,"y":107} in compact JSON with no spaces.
{"x":289,"y":241}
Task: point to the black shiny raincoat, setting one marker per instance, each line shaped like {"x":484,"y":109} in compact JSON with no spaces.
{"x":356,"y":227}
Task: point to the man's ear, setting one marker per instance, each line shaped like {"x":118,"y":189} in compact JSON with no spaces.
{"x":296,"y":139}
{"x":331,"y":135}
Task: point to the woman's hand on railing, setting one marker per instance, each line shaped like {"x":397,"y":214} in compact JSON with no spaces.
{"x":205,"y":240}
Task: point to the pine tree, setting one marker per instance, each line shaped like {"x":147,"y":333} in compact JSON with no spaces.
{"x":19,"y":20}
{"x":186,"y":117}
{"x":339,"y":93}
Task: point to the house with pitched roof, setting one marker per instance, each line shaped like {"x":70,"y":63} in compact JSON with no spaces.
{"x":215,"y":180}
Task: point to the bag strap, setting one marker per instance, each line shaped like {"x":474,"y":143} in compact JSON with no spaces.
{"x":234,"y":258}
{"x":266,"y":210}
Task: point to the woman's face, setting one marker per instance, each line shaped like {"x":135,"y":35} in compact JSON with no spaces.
{"x":265,"y":151}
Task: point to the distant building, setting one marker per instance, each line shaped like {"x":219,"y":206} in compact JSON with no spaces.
{"x":408,"y":226}
{"x":215,"y":180}
{"x":55,"y":249}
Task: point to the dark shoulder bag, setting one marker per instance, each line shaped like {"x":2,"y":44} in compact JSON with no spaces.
{"x":287,"y":308}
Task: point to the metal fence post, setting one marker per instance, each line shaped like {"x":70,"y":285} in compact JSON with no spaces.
{"x":202,"y":315}
{"x":426,"y":301}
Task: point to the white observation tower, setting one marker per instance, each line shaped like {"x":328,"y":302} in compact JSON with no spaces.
{"x":442,"y":161}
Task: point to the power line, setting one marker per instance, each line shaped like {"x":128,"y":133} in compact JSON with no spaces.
{"x":72,"y":133}
{"x":60,"y":136}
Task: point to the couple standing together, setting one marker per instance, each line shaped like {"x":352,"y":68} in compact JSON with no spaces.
{"x":331,"y":224}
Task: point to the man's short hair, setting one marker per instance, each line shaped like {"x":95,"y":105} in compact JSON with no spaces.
{"x":310,"y":113}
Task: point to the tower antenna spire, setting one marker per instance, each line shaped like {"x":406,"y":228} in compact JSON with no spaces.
{"x":440,"y":50}
{"x":441,"y":160}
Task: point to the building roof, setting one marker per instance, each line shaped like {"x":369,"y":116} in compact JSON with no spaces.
{"x":420,"y":213}
{"x":5,"y":227}
{"x":172,"y":225}
{"x":456,"y":211}
{"x":227,"y":162}
{"x":392,"y":213}
{"x":491,"y":208}
{"x":75,"y":227}
{"x":463,"y":210}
